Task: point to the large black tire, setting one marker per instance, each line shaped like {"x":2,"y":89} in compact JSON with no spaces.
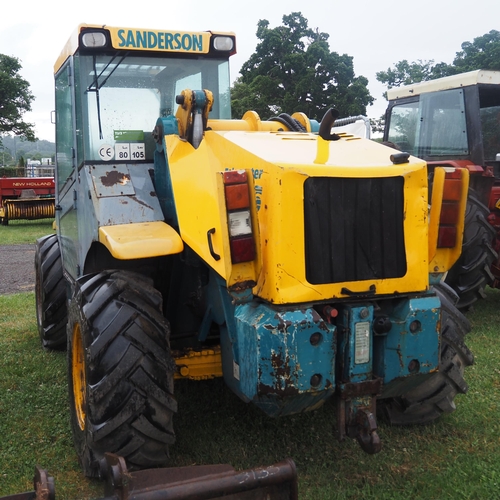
{"x":50,"y":293}
{"x":435,"y":396}
{"x":120,"y":371}
{"x":470,"y":275}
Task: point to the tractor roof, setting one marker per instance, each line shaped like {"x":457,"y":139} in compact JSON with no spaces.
{"x":446,"y":83}
{"x":158,"y":40}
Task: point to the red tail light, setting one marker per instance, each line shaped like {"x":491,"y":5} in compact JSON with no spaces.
{"x":447,"y":237}
{"x":237,"y":193}
{"x":450,"y":210}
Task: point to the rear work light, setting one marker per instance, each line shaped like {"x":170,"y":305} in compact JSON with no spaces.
{"x":239,"y":218}
{"x":450,"y":210}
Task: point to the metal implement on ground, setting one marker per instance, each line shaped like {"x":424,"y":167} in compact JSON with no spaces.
{"x":26,"y":198}
{"x":203,"y":482}
{"x":297,"y":263}
{"x":453,"y":122}
{"x":43,"y":488}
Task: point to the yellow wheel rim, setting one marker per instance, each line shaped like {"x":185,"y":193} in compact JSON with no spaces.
{"x":78,"y":371}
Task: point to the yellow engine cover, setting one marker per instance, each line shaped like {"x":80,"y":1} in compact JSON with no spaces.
{"x":280,"y":164}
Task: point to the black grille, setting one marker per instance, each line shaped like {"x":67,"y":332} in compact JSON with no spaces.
{"x":354,"y":229}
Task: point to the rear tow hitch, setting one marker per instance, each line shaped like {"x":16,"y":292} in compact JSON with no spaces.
{"x":356,"y":410}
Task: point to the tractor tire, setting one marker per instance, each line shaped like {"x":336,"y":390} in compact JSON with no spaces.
{"x":435,"y":395}
{"x":120,"y":371}
{"x":50,"y":293}
{"x":470,"y":275}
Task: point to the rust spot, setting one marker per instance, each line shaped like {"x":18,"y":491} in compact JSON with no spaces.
{"x":282,"y":384}
{"x":266,"y":390}
{"x":323,"y":326}
{"x":281,"y":368}
{"x":352,"y":390}
{"x":242,"y":285}
{"x":400,"y":356}
{"x":114,"y":177}
{"x":316,"y":317}
{"x":282,"y":325}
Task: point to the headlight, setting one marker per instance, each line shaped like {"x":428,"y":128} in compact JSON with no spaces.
{"x":224,"y":43}
{"x":92,"y":39}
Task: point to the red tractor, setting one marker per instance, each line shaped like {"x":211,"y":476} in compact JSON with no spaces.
{"x":455,"y":121}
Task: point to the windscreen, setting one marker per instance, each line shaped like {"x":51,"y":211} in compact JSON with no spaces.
{"x":432,"y":126}
{"x":403,"y":126}
{"x":123,"y":96}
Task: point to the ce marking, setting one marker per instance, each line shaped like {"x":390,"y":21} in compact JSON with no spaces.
{"x":106,"y":152}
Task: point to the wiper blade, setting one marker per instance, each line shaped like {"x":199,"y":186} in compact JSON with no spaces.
{"x":95,"y":86}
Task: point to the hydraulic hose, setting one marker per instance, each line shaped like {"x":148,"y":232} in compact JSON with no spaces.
{"x":285,"y":119}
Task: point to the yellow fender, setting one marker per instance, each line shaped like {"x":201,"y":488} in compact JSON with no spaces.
{"x":140,"y":240}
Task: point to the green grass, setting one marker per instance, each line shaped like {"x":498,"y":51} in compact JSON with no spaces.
{"x":20,"y":232}
{"x":457,"y":457}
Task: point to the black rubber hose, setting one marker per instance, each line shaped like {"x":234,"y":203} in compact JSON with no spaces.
{"x":290,"y":122}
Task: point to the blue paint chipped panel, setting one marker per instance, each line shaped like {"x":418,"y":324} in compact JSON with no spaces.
{"x":286,"y":359}
{"x":411,"y":346}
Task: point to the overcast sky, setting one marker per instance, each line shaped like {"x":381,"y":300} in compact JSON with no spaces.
{"x":377,"y":34}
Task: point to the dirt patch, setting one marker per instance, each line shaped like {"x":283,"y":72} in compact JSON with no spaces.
{"x":17,"y":268}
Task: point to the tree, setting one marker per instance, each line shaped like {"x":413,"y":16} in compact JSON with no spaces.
{"x":482,"y":53}
{"x":5,"y":156}
{"x":15,"y":99}
{"x":292,"y":70}
{"x":405,"y":73}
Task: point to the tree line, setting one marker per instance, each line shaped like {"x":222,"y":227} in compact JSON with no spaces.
{"x":292,"y":69}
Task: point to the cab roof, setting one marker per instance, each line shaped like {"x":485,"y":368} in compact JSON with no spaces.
{"x":123,"y":33}
{"x":446,"y":83}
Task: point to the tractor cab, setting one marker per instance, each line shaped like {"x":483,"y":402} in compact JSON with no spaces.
{"x":121,"y":81}
{"x":456,"y":118}
{"x":111,"y":87}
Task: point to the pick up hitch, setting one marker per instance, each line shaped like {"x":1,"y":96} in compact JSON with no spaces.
{"x":356,"y":414}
